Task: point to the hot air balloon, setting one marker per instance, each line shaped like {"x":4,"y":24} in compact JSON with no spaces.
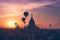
{"x":50,"y":25}
{"x":25,"y":14}
{"x":23,"y":19}
{"x":15,"y":23}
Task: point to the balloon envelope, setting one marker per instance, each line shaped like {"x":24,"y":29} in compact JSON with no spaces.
{"x":15,"y":23}
{"x":25,"y":14}
{"x":50,"y":25}
{"x":23,"y":19}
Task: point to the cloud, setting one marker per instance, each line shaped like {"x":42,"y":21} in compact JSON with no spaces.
{"x":20,"y":1}
{"x":11,"y":1}
{"x":49,"y":13}
{"x":9,"y":8}
{"x":57,"y":4}
{"x":27,"y":1}
{"x":47,"y":10}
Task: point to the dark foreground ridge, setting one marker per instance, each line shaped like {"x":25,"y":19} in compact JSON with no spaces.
{"x":29,"y":34}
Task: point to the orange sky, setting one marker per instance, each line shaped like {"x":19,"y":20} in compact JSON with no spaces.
{"x":14,"y":11}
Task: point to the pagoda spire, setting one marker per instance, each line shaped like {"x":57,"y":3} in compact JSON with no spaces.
{"x":31,"y":15}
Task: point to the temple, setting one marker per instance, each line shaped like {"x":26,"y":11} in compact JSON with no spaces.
{"x":32,"y":23}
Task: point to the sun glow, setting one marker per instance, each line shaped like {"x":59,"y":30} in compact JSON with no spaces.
{"x":11,"y":23}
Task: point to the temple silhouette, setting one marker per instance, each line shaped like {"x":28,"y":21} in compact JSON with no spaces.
{"x":31,"y":25}
{"x":31,"y":32}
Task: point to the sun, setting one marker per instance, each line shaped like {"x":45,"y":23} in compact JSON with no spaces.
{"x":11,"y":23}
